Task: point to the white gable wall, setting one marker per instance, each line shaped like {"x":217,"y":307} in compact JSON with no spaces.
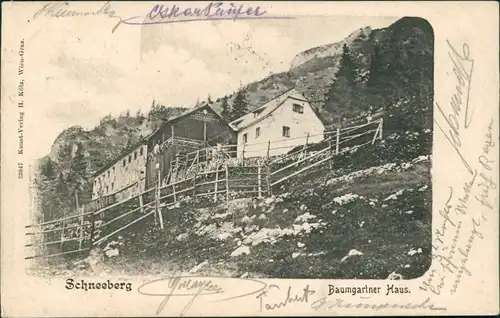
{"x":271,"y":129}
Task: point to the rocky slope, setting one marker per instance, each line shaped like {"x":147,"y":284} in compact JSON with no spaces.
{"x":329,"y":50}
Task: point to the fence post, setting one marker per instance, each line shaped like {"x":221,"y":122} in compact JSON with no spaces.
{"x":304,"y":150}
{"x":378,"y":132}
{"x":62,"y":230}
{"x":381,"y":127}
{"x":259,"y":182}
{"x":141,"y":203}
{"x":92,"y":226}
{"x":45,"y":236}
{"x":338,"y":141}
{"x":268,"y":148}
{"x":227,"y":183}
{"x":268,"y":173}
{"x":375,"y":135}
{"x":80,"y":210}
{"x":62,"y":236}
{"x":82,"y":226}
{"x":174,"y":195}
{"x":176,"y":167}
{"x":216,"y":182}
{"x":194,"y":181}
{"x":157,"y":203}
{"x":156,"y":196}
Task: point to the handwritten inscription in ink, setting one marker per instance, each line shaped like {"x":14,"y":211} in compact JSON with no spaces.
{"x":163,"y":14}
{"x":459,"y":227}
{"x":194,"y":287}
{"x":290,"y":297}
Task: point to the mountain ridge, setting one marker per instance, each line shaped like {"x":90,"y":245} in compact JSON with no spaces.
{"x":328,"y":49}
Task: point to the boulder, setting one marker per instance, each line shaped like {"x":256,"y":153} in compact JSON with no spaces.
{"x":394,"y":276}
{"x":351,"y":253}
{"x":244,"y":275}
{"x":112,"y":252}
{"x":198,"y":267}
{"x":182,"y":237}
{"x":242,"y":250}
{"x":270,"y":200}
{"x":223,"y":236}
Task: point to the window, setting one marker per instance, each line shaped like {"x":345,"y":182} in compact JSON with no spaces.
{"x":257,"y":132}
{"x":113,"y":170}
{"x":298,"y":108}
{"x":140,"y":152}
{"x":286,"y":131}
{"x":245,"y":138}
{"x":108,"y":173}
{"x":129,"y":158}
{"x":107,"y":189}
{"x":112,"y":185}
{"x":135,"y":155}
{"x":124,"y":162}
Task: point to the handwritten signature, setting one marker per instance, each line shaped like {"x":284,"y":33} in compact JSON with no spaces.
{"x":60,"y":9}
{"x":463,"y":67}
{"x":301,"y":297}
{"x":324,"y":304}
{"x":198,"y":286}
{"x":160,"y":14}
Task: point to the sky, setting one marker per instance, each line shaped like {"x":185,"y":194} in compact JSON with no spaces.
{"x":80,"y":72}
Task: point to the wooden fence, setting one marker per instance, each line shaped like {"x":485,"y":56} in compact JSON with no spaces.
{"x":79,"y":233}
{"x":256,"y":178}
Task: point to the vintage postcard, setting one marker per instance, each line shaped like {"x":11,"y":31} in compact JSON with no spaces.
{"x":249,"y":158}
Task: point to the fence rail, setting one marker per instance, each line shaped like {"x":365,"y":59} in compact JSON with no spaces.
{"x":250,"y":177}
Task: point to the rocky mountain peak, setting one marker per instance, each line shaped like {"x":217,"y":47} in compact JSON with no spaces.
{"x":329,"y":49}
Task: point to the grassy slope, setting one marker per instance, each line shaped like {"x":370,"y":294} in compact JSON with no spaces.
{"x":384,"y":230}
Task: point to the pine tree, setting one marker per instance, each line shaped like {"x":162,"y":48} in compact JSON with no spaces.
{"x":140,"y":116}
{"x":78,"y":168}
{"x":209,"y":100}
{"x":375,"y":84}
{"x":62,"y":199}
{"x":63,"y":153}
{"x":46,"y":184}
{"x":240,"y":105}
{"x":48,"y":169}
{"x":342,"y":97}
{"x":347,"y":67}
{"x":389,"y":75}
{"x":225,"y":109}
